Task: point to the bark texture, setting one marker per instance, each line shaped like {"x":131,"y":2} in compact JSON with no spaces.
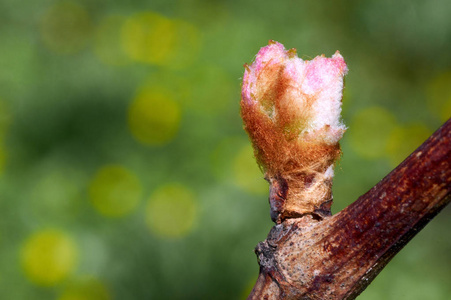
{"x":320,"y":257}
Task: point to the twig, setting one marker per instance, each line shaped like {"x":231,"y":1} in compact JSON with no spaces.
{"x":337,"y":257}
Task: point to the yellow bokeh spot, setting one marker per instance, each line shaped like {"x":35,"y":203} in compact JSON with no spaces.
{"x":171,"y":211}
{"x":149,"y":38}
{"x":370,"y":130}
{"x":87,"y":289}
{"x":152,"y":38}
{"x":48,"y":257}
{"x":115,"y":191}
{"x":66,"y":27}
{"x":439,"y":96}
{"x":153,"y":116}
{"x":246,"y":172}
{"x":107,"y":44}
{"x":187,"y":44}
{"x":404,"y":140}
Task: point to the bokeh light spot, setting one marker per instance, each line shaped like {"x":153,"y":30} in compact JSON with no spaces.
{"x":87,"y":289}
{"x":48,"y":257}
{"x":154,"y":117}
{"x":107,"y":45}
{"x":149,"y":38}
{"x":439,"y":96}
{"x":115,"y":191}
{"x":66,"y":27}
{"x":246,"y":172}
{"x":370,"y":131}
{"x":54,"y":191}
{"x":171,"y":211}
{"x":152,"y":38}
{"x":187,"y":44}
{"x":404,"y":140}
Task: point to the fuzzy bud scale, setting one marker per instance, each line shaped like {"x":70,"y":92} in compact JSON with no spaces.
{"x":291,"y":112}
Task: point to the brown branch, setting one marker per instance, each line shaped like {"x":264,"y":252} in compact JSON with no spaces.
{"x":337,"y":257}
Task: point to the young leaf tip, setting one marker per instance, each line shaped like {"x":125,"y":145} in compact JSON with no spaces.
{"x":291,"y":111}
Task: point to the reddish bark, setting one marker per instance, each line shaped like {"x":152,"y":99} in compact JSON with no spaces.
{"x":321,"y":257}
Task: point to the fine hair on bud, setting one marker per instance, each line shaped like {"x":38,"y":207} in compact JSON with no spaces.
{"x":291,"y":111}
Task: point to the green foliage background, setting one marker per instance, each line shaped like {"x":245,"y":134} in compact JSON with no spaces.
{"x":124,"y":169}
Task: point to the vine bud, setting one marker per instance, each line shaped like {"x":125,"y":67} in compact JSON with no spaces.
{"x":291,"y":112}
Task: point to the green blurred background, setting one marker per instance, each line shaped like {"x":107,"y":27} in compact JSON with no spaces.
{"x":124,"y":169}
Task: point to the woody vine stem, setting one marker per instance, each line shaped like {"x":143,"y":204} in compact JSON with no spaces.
{"x":291,"y":112}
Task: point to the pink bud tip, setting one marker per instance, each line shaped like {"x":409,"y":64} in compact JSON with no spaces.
{"x":306,"y":94}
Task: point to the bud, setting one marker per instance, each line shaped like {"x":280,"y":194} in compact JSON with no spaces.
{"x":291,"y":112}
